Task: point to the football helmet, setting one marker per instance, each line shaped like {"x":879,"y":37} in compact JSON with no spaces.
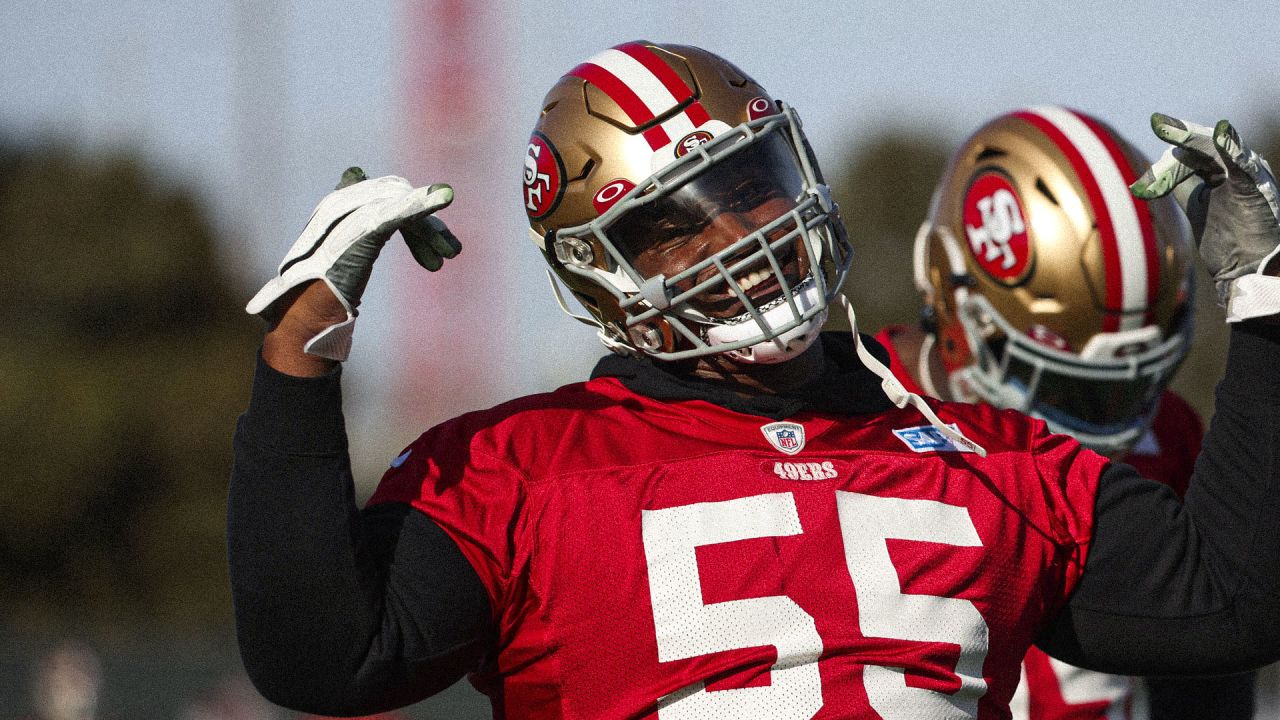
{"x":641,"y":149}
{"x":1047,"y":287}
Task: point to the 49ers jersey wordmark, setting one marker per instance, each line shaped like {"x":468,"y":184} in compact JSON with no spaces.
{"x":676,"y":574}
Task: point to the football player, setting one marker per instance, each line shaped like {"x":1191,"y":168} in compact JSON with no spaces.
{"x":1048,"y":288}
{"x":734,"y":517}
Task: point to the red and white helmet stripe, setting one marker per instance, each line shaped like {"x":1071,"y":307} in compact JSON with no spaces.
{"x":645,"y":87}
{"x":1124,"y":223}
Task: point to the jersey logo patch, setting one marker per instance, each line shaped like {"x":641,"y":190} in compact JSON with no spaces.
{"x":1147,"y":445}
{"x":787,"y":437}
{"x":927,"y":438}
{"x":399,"y":459}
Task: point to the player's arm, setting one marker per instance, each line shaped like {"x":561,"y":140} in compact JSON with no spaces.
{"x":1175,"y":588}
{"x":338,"y":611}
{"x":1221,"y":697}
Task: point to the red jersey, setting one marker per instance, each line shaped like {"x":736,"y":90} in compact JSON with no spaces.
{"x":1051,"y":689}
{"x":678,"y":559}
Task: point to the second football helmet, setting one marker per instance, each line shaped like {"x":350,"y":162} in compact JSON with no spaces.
{"x":642,"y":148}
{"x":1047,"y":286}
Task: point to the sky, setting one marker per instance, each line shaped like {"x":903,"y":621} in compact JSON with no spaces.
{"x":259,"y":106}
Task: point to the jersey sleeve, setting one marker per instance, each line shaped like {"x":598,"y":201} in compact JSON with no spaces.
{"x":456,"y":479}
{"x":1167,"y":453}
{"x":1069,"y":474}
{"x":1174,"y":588}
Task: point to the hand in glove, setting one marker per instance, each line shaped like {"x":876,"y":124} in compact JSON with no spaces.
{"x":346,"y":232}
{"x":1229,"y":195}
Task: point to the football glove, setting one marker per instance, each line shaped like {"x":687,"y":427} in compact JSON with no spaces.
{"x":1229,"y":195}
{"x":342,"y":239}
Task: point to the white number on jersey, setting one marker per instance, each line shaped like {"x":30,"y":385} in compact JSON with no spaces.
{"x":686,"y":627}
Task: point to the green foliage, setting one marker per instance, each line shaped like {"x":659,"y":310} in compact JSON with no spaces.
{"x":124,"y":362}
{"x":883,"y":190}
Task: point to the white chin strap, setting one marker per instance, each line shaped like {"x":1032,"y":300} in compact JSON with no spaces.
{"x":898,"y":394}
{"x":783,"y":346}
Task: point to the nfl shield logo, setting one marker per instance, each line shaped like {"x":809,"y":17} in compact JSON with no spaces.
{"x":787,"y":437}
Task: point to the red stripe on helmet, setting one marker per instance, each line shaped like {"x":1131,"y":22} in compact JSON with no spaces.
{"x":1130,"y":174}
{"x":626,"y":98}
{"x":669,"y":78}
{"x":697,"y":114}
{"x":1106,"y":230}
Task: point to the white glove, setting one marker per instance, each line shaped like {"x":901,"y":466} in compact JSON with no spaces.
{"x":343,"y":238}
{"x":1231,"y":203}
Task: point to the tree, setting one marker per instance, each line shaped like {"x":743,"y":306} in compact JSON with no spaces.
{"x":883,"y":189}
{"x":123,"y":358}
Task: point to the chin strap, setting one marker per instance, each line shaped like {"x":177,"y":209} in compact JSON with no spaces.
{"x":606,"y":337}
{"x":584,"y":319}
{"x":898,"y":394}
{"x":923,"y":371}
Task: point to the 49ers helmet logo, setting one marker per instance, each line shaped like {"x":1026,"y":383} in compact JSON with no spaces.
{"x":691,"y":141}
{"x":996,"y":228}
{"x":543,"y":177}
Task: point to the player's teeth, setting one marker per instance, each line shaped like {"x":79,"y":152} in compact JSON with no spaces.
{"x":752,"y":280}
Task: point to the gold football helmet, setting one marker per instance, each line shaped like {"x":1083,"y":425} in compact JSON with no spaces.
{"x":1049,"y":288}
{"x":643,"y":146}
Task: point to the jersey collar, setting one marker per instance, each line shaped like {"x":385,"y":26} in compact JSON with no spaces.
{"x":845,"y":388}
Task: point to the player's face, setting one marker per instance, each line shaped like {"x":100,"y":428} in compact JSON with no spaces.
{"x":732,"y":201}
{"x":681,"y":246}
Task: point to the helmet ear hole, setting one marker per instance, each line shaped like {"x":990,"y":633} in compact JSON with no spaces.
{"x":929,"y":319}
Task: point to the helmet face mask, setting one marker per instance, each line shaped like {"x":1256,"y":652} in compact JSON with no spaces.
{"x":1105,"y":396}
{"x":728,"y":244}
{"x":1054,"y":291}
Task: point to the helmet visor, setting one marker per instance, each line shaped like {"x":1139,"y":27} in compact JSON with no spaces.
{"x":1086,"y":404}
{"x":752,"y":191}
{"x":761,"y":174}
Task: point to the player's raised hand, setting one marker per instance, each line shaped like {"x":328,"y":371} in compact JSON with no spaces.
{"x":1229,"y":195}
{"x":343,"y":238}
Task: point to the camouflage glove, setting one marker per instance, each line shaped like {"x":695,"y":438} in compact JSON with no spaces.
{"x":343,"y":238}
{"x":1229,"y":195}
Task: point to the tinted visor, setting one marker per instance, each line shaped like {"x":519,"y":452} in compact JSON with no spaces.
{"x":759,"y":182}
{"x":1085,"y":404}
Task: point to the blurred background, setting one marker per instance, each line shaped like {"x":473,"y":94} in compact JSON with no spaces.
{"x":158,"y":158}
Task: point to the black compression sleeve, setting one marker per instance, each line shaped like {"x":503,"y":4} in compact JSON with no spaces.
{"x":1228,"y":697}
{"x":338,"y":612}
{"x":1174,"y":589}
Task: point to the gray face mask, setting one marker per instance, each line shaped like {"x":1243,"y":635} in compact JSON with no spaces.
{"x":760,"y":295}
